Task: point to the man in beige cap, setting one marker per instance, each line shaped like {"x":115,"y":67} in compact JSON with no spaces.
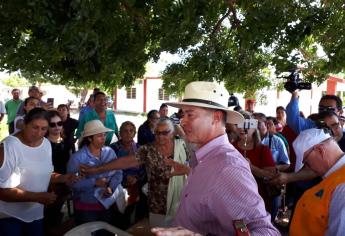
{"x":321,"y":209}
{"x":221,"y":188}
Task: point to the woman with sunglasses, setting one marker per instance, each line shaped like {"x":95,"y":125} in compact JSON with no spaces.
{"x":163,"y":188}
{"x":60,"y":156}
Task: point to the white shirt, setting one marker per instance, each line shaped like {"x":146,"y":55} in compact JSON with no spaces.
{"x":27,"y":168}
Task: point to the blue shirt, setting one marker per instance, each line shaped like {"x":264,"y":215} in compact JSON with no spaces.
{"x":278,"y":149}
{"x":109,"y":122}
{"x":84,"y":189}
{"x":122,"y":152}
{"x":294,"y":120}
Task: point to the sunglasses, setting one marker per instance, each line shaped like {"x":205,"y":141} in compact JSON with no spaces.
{"x":326,"y":108}
{"x":55,"y":124}
{"x":164,"y":133}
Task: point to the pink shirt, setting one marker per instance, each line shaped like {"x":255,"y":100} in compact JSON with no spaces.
{"x":220,"y":189}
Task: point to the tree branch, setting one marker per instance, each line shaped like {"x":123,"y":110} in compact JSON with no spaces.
{"x":235,"y":22}
{"x":217,"y":27}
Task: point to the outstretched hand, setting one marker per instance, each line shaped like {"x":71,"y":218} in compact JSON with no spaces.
{"x":87,"y":170}
{"x":177,"y":168}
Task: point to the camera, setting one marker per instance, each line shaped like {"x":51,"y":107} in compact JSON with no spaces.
{"x":248,"y":124}
{"x":293,"y":82}
{"x":233,"y":101}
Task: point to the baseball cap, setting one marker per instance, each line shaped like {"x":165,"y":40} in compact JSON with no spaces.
{"x":306,"y":140}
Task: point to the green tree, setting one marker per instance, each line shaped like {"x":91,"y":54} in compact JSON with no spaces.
{"x":15,"y":81}
{"x":109,"y":42}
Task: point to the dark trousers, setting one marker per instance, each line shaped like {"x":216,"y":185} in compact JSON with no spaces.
{"x":15,"y":227}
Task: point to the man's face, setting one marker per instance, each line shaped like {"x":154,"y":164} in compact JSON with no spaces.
{"x":34,"y":93}
{"x":329,"y":104}
{"x":332,"y":123}
{"x":101,"y":102}
{"x":15,"y":94}
{"x":197,"y":124}
{"x":316,"y":159}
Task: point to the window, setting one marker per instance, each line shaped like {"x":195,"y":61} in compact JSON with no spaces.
{"x":162,"y":95}
{"x":131,"y":93}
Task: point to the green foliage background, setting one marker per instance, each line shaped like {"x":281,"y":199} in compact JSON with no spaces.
{"x":108,"y":43}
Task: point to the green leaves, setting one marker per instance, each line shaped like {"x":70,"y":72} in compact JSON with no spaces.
{"x":108,"y":43}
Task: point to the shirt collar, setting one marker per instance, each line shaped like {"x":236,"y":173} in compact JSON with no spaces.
{"x":335,"y":167}
{"x":202,"y":152}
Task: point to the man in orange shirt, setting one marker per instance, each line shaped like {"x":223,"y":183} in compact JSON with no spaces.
{"x":321,"y":209}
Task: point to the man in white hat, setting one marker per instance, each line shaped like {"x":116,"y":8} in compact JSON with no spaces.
{"x":221,"y":187}
{"x":321,"y":209}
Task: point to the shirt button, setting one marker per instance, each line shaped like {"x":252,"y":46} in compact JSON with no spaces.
{"x":186,"y":195}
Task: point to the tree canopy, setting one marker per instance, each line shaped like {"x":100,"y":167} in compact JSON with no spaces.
{"x":109,"y":42}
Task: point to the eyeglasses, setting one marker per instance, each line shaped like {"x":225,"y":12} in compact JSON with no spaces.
{"x":55,"y":124}
{"x":164,"y":133}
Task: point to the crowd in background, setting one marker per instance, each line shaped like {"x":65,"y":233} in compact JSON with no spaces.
{"x":96,"y":164}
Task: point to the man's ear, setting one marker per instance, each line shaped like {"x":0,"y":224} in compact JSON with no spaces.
{"x":218,"y":116}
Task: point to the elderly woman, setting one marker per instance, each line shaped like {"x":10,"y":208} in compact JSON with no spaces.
{"x":163,"y":189}
{"x":89,"y":192}
{"x":23,"y":186}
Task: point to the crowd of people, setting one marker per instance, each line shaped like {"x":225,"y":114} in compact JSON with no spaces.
{"x":206,"y":170}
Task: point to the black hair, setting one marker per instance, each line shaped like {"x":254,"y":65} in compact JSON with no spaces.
{"x":273,"y":119}
{"x":237,"y":108}
{"x":98,"y":94}
{"x":52,"y":114}
{"x":128,"y":123}
{"x":163,"y":106}
{"x":259,"y":116}
{"x":151,"y":113}
{"x":280,"y":108}
{"x":36,"y":114}
{"x":28,"y":99}
{"x":325,"y":114}
{"x":84,"y":142}
{"x":63,"y":105}
{"x":335,"y":98}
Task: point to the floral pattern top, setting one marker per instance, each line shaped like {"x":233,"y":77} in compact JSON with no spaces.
{"x":157,"y":175}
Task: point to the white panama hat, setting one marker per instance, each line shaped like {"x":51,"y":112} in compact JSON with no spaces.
{"x":208,"y":95}
{"x":93,"y":127}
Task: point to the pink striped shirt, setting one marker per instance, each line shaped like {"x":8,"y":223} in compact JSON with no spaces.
{"x":220,"y":189}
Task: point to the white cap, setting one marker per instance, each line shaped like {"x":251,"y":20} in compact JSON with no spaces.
{"x":305,"y":141}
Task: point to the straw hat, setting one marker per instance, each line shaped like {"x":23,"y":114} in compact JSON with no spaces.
{"x":94,"y":127}
{"x":208,"y":95}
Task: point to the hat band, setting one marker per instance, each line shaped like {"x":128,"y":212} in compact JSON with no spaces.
{"x":203,"y":101}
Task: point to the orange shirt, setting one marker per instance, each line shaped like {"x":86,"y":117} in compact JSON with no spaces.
{"x":312,"y":210}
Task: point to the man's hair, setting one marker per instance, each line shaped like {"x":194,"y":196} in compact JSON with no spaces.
{"x":151,"y":113}
{"x":163,"y":106}
{"x":335,"y":98}
{"x":98,"y":94}
{"x":15,"y":89}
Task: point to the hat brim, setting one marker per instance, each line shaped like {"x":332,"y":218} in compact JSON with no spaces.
{"x":98,"y":131}
{"x":233,"y":117}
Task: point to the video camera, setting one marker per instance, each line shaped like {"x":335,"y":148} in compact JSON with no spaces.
{"x":233,"y":101}
{"x":293,"y":82}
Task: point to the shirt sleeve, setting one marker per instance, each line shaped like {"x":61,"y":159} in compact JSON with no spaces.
{"x":115,"y":177}
{"x":8,"y":168}
{"x":81,"y":125}
{"x":294,"y":120}
{"x":239,"y":199}
{"x":336,"y":218}
{"x":73,"y":167}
